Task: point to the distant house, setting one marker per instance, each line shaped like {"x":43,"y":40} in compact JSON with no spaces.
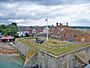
{"x":22,"y":33}
{"x":39,"y":30}
{"x":85,"y":37}
{"x":45,"y":30}
{"x":58,"y":28}
{"x":7,"y":39}
{"x":34,"y":31}
{"x":23,"y":30}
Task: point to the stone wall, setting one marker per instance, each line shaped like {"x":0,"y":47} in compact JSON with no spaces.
{"x":32,"y":62}
{"x":47,"y":60}
{"x":67,"y":60}
{"x":22,"y":47}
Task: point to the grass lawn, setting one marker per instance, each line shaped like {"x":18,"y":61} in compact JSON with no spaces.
{"x":52,"y":42}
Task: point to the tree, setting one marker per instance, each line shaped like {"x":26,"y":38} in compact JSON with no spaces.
{"x":13,"y":23}
{"x":2,"y":27}
{"x":11,"y":29}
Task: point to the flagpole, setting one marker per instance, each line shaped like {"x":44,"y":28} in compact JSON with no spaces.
{"x":47,"y":30}
{"x":47,"y":27}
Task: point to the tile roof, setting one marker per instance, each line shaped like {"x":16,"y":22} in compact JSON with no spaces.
{"x":7,"y":37}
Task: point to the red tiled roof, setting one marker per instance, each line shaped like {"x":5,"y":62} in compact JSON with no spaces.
{"x":7,"y":37}
{"x":88,"y":32}
{"x":86,"y":36}
{"x":39,"y":29}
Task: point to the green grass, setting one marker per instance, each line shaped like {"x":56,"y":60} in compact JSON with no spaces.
{"x":57,"y":42}
{"x":53,"y":42}
{"x":58,"y":51}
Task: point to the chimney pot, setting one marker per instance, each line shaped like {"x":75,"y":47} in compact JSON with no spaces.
{"x":57,"y":24}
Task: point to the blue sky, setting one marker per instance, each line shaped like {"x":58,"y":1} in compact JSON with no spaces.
{"x":34,"y":12}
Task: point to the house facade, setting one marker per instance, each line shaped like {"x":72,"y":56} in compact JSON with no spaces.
{"x":64,"y":31}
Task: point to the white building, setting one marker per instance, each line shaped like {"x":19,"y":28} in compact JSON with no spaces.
{"x":22,"y":33}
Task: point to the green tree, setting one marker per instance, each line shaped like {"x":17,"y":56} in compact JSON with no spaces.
{"x":13,"y":23}
{"x":11,"y":29}
{"x":2,"y":27}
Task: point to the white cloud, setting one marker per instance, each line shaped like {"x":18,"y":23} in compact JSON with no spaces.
{"x":1,"y":14}
{"x":71,"y":13}
{"x":17,"y":20}
{"x":34,"y":14}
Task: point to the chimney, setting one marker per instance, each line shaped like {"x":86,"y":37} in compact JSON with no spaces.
{"x":52,"y":25}
{"x":57,"y":24}
{"x":67,"y":23}
{"x":60,"y":24}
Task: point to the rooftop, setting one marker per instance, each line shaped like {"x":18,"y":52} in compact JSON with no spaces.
{"x":7,"y":37}
{"x":53,"y":46}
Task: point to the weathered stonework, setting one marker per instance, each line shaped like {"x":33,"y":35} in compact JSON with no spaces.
{"x":47,"y":60}
{"x":67,"y":60}
{"x":32,"y":62}
{"x":22,"y":47}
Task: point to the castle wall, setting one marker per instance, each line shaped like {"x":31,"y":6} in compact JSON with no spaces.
{"x":65,"y":61}
{"x":32,"y":62}
{"x":22,"y":47}
{"x":47,"y":60}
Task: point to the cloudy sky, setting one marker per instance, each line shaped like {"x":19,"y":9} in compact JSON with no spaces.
{"x":34,"y":12}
